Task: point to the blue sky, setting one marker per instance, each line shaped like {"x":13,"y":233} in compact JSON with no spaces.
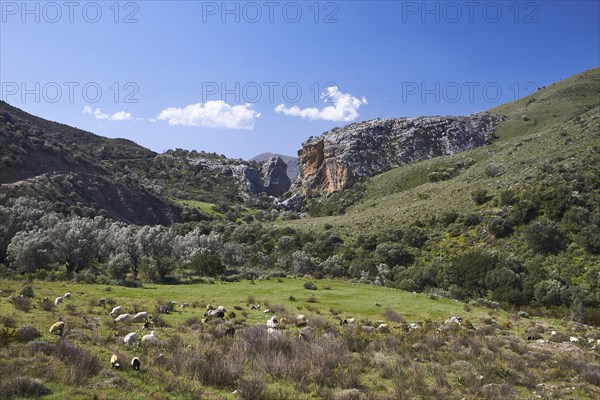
{"x":242,"y":78}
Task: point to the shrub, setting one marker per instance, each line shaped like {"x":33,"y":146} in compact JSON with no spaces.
{"x":23,"y":387}
{"x":22,"y":304}
{"x":589,"y":238}
{"x":480,"y":196}
{"x":27,"y":291}
{"x":493,"y":170}
{"x":311,"y":299}
{"x":310,"y":285}
{"x":545,"y":237}
{"x":251,"y":387}
{"x":27,"y":333}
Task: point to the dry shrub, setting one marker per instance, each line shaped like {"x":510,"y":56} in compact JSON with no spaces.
{"x":83,"y":364}
{"x":393,"y":316}
{"x":22,"y":304}
{"x":27,"y":333}
{"x":23,"y":387}
{"x":438,"y":375}
{"x":251,"y":386}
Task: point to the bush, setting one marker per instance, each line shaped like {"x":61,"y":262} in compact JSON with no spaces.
{"x":480,"y":196}
{"x":589,"y":238}
{"x":23,"y":387}
{"x":545,"y":237}
{"x":310,"y":285}
{"x":493,"y":170}
{"x":27,"y":333}
{"x":22,"y":304}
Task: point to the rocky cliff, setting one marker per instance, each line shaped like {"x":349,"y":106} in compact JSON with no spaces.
{"x":271,"y":178}
{"x":338,"y":158}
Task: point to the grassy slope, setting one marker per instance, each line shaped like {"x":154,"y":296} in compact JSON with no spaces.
{"x":352,"y":300}
{"x":404,"y":194}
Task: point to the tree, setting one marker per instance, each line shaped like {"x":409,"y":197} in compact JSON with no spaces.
{"x":30,"y":250}
{"x":118,"y":266}
{"x":206,"y":263}
{"x":545,"y":237}
{"x":394,"y":254}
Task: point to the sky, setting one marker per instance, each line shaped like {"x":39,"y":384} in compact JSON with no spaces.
{"x":245,"y":77}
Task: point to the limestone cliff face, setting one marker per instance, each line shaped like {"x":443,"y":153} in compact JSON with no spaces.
{"x":338,"y":158}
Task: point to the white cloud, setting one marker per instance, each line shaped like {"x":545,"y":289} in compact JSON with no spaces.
{"x":98,"y":114}
{"x":213,"y":114}
{"x":345,"y":107}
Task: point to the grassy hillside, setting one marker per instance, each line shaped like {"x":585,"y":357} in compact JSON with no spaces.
{"x":562,"y":121}
{"x":491,"y":361}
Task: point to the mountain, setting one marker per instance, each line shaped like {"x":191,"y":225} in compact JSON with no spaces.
{"x":82,"y":173}
{"x":551,"y":134}
{"x":291,"y":162}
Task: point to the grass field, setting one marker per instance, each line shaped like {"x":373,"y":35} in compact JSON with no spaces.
{"x":184,"y":339}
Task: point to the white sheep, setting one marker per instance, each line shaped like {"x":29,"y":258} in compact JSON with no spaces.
{"x":67,"y":295}
{"x":130,"y":339}
{"x":184,"y":305}
{"x":116,"y":310}
{"x":150,"y":338}
{"x":135,"y":363}
{"x":141,"y":316}
{"x":301,"y":320}
{"x":573,"y":339}
{"x":114,"y":361}
{"x":58,"y":328}
{"x":58,"y":300}
{"x":221,"y":308}
{"x":123,"y":318}
{"x":273,"y":322}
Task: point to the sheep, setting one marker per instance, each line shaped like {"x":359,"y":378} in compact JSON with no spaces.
{"x":412,"y":326}
{"x":163,"y":309}
{"x":135,"y":363}
{"x":453,"y":320}
{"x":573,"y":339}
{"x":150,"y":338}
{"x":130,"y":339}
{"x":348,"y":321}
{"x":58,"y":328}
{"x":267,"y":311}
{"x":221,"y":308}
{"x":184,"y":305}
{"x":148,"y":324}
{"x":273,"y":322}
{"x":141,"y":316}
{"x":383,"y":328}
{"x":301,"y":320}
{"x":368,"y":329}
{"x":115,"y":311}
{"x":114,"y":361}
{"x":255,"y":307}
{"x":214,"y":314}
{"x":122,"y":318}
{"x":67,"y":295}
{"x":46,"y":300}
{"x":58,"y":300}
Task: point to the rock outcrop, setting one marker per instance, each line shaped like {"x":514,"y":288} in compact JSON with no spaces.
{"x":339,"y":158}
{"x":274,"y":178}
{"x":271,"y":178}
